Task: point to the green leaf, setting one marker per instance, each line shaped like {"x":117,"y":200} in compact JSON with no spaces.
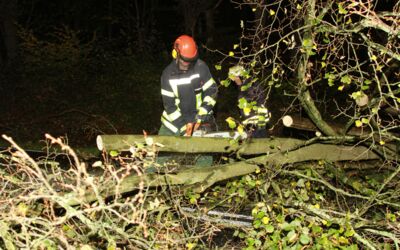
{"x":287,"y":227}
{"x":260,"y":214}
{"x":305,"y":239}
{"x":292,"y":236}
{"x":257,"y":224}
{"x":114,"y":153}
{"x":365,"y":120}
{"x":265,"y":220}
{"x":269,"y":228}
{"x":345,"y":79}
{"x":111,"y":245}
{"x":231,"y":122}
{"x":300,"y":183}
{"x":307,"y":43}
{"x":364,"y":87}
{"x":48,"y":245}
{"x":250,"y":241}
{"x":316,"y":229}
{"x":243,"y":103}
{"x":225,"y":83}
{"x":193,"y":200}
{"x":271,"y":12}
{"x":342,"y":10}
{"x":349,"y":233}
{"x":242,"y":192}
{"x":218,"y":67}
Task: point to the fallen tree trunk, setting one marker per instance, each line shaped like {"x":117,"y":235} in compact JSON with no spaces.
{"x":200,"y":178}
{"x":180,"y":144}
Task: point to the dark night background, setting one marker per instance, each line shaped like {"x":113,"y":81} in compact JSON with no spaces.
{"x":82,"y":68}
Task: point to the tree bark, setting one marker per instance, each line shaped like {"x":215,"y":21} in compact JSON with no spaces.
{"x":304,"y":96}
{"x":180,"y":144}
{"x":8,"y":29}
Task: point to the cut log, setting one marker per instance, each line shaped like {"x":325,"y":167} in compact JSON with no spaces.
{"x":301,"y":123}
{"x":362,"y":101}
{"x":180,"y":144}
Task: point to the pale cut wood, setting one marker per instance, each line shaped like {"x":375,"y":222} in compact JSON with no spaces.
{"x":362,"y":101}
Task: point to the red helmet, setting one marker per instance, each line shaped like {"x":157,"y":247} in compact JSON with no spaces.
{"x":186,"y":48}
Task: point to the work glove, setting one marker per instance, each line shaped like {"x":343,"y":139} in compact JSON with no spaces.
{"x":191,"y":127}
{"x":200,"y":118}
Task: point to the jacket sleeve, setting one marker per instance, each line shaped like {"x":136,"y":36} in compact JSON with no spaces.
{"x":209,"y":91}
{"x":172,"y":116}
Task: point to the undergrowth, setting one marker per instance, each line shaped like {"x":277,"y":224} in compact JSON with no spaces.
{"x":58,"y":201}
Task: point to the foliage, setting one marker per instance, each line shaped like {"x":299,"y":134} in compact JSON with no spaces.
{"x":313,"y":205}
{"x":36,"y":210}
{"x":297,"y":208}
{"x":338,"y":60}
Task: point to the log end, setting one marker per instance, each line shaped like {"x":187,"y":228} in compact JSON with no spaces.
{"x":99,"y":143}
{"x":287,"y":121}
{"x":362,"y":100}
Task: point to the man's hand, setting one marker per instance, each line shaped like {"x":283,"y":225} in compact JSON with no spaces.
{"x":200,"y":118}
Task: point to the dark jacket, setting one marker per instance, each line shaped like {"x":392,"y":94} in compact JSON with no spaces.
{"x":187,"y":95}
{"x":255,"y":96}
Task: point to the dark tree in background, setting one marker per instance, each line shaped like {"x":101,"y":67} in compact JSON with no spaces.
{"x":96,"y":58}
{"x":8,"y":31}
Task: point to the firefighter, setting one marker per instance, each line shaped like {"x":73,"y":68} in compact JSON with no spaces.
{"x":188,"y":90}
{"x":189,"y":93}
{"x":251,"y":100}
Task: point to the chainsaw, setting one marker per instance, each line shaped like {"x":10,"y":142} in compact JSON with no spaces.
{"x":193,"y":130}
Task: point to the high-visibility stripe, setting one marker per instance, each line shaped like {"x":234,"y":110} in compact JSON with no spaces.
{"x":173,"y":116}
{"x":262,"y":110}
{"x":257,"y":119}
{"x":181,"y":81}
{"x":202,"y":111}
{"x":183,"y":129}
{"x":208,"y":84}
{"x":209,"y":100}
{"x":198,"y":101}
{"x":169,"y":125}
{"x":251,"y":120}
{"x":167,"y":93}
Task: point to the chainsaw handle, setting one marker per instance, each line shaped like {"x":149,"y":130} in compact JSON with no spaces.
{"x":196,"y":126}
{"x":191,"y":127}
